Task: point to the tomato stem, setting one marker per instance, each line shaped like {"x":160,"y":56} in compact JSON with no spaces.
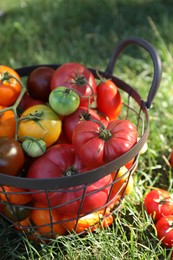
{"x":71,"y":171}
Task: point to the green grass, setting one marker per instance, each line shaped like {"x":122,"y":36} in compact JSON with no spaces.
{"x":87,"y":31}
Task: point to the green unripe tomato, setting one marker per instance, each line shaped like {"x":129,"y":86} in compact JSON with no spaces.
{"x":64,"y":101}
{"x":34,"y":147}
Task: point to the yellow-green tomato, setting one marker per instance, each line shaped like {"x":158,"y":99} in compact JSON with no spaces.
{"x":64,"y":101}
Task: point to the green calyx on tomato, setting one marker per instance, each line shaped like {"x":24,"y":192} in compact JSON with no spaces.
{"x":34,"y":147}
{"x":64,"y":101}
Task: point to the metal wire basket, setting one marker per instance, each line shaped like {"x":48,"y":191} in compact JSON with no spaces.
{"x":135,"y":109}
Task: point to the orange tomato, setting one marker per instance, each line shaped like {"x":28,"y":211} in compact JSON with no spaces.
{"x":46,"y":126}
{"x":121,"y":187}
{"x":98,"y":219}
{"x":15,"y":195}
{"x":9,"y":89}
{"x":7,"y":123}
{"x":47,"y":221}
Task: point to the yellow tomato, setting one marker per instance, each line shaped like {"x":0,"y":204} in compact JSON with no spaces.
{"x":40,"y":121}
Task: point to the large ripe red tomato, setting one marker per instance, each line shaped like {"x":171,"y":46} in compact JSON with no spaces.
{"x":69,"y":122}
{"x":62,"y":160}
{"x":158,"y":203}
{"x":9,"y":88}
{"x":109,"y":99}
{"x":98,"y":143}
{"x":76,"y":76}
{"x":164,"y":227}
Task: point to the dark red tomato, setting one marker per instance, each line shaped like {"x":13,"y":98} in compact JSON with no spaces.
{"x":97,"y":144}
{"x":69,"y":122}
{"x":38,"y":83}
{"x":17,"y":213}
{"x":61,"y":160}
{"x":11,"y":156}
{"x":164,"y":227}
{"x":171,"y":158}
{"x":109,"y":100}
{"x":26,"y":102}
{"x":158,"y":203}
{"x":76,"y":76}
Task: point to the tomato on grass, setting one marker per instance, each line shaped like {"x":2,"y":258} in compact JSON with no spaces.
{"x":40,"y":122}
{"x":164,"y":227}
{"x":76,"y":76}
{"x":9,"y":87}
{"x":158,"y":203}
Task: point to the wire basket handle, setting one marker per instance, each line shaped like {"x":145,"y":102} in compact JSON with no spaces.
{"x":154,"y":56}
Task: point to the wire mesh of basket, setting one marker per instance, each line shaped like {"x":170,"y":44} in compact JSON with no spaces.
{"x":85,"y":201}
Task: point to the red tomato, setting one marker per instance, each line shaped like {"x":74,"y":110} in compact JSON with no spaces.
{"x":27,"y":101}
{"x":109,"y":99}
{"x":38,"y":83}
{"x":158,"y":203}
{"x":69,"y":122}
{"x":61,"y":160}
{"x":97,"y":144}
{"x":76,"y":76}
{"x":10,"y":88}
{"x":164,"y":227}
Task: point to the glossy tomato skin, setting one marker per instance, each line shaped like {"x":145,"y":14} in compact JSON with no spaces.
{"x":62,"y":160}
{"x":11,"y":156}
{"x":64,"y":101}
{"x":158,"y":203}
{"x":9,"y":89}
{"x":7,"y":123}
{"x":15,"y":195}
{"x":97,"y":144}
{"x":75,"y":75}
{"x":164,"y":227}
{"x":109,"y":100}
{"x":38,"y":83}
{"x":69,"y":122}
{"x":47,"y":126}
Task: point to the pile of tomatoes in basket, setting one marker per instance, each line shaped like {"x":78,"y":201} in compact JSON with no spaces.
{"x":61,"y":122}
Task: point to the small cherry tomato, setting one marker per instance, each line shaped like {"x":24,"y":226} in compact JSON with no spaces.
{"x":158,"y":203}
{"x":64,"y":101}
{"x":11,"y":156}
{"x":38,"y":83}
{"x":9,"y":87}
